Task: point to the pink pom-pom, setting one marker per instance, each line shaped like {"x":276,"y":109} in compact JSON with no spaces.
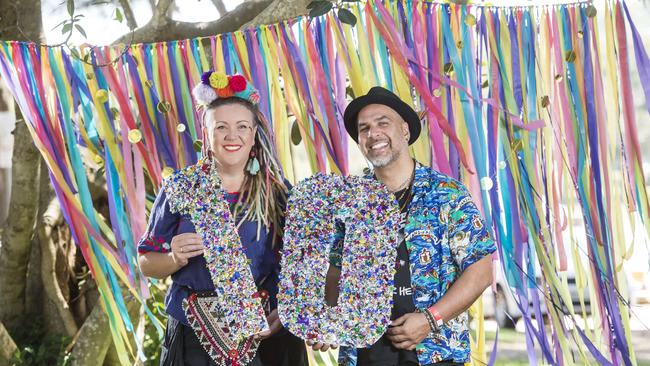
{"x":204,"y":94}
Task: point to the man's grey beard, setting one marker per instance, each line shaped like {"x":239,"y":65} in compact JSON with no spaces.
{"x":384,"y":161}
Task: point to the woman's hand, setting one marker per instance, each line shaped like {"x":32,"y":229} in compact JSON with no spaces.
{"x":182,"y":248}
{"x":274,"y":326}
{"x":185,"y":246}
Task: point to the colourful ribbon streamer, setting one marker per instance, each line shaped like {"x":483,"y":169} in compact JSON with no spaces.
{"x":514,"y":100}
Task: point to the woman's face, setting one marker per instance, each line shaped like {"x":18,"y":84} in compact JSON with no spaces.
{"x":231,"y":132}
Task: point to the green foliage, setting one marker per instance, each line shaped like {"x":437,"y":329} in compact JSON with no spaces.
{"x":296,"y":138}
{"x":322,"y":7}
{"x":70,"y":4}
{"x":318,"y":8}
{"x":118,"y":15}
{"x":152,"y":340}
{"x":69,"y":25}
{"x":347,"y":17}
{"x":35,"y":348}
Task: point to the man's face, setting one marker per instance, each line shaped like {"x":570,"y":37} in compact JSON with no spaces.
{"x":383,"y":134}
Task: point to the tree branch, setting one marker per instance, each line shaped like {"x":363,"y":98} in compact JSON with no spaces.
{"x":128,"y":14}
{"x":162,"y":9}
{"x":165,"y":29}
{"x":280,"y":10}
{"x":221,"y":8}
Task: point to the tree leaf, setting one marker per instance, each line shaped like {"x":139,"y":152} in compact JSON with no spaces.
{"x":315,"y":3}
{"x":70,"y":7}
{"x":545,"y":101}
{"x":60,"y":24}
{"x":320,"y":9}
{"x":118,"y":15}
{"x":81,"y":30}
{"x":591,"y":11}
{"x":67,"y":28}
{"x":570,"y":56}
{"x":347,"y":17}
{"x":197,"y":145}
{"x":296,"y":138}
{"x":448,"y":68}
{"x":75,"y":53}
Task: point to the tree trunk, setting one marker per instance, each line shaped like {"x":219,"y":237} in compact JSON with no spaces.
{"x":51,"y":270}
{"x":7,"y":346}
{"x":16,"y":238}
{"x":20,"y":20}
{"x":93,"y":340}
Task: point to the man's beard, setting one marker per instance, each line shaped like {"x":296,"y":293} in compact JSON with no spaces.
{"x":381,"y":162}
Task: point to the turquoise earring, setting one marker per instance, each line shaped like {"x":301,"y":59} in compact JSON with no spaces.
{"x":253,"y":165}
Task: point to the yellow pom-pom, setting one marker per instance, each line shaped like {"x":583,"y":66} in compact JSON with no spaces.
{"x":218,"y":80}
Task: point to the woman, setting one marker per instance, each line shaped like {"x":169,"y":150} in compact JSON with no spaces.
{"x":238,"y":147}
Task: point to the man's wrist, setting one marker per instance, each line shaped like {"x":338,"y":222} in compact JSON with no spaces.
{"x":430,"y":322}
{"x":439,"y":322}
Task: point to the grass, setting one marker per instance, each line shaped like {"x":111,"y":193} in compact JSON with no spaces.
{"x":511,"y":352}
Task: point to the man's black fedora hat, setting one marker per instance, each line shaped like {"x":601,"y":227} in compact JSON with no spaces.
{"x":379,"y":95}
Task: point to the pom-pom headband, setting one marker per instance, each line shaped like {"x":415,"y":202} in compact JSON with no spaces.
{"x":215,"y":85}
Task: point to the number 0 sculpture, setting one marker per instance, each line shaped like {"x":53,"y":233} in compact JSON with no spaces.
{"x":320,"y":209}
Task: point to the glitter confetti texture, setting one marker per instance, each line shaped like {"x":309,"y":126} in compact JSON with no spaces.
{"x":196,"y":191}
{"x":319,"y":208}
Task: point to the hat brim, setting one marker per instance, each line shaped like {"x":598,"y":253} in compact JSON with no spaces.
{"x":404,"y":110}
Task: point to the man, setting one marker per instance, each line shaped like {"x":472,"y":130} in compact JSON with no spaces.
{"x":443,"y":262}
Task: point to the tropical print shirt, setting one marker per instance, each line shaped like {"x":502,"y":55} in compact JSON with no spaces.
{"x":445,"y":234}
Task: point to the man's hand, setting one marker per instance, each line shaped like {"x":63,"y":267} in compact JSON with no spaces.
{"x":408,"y":330}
